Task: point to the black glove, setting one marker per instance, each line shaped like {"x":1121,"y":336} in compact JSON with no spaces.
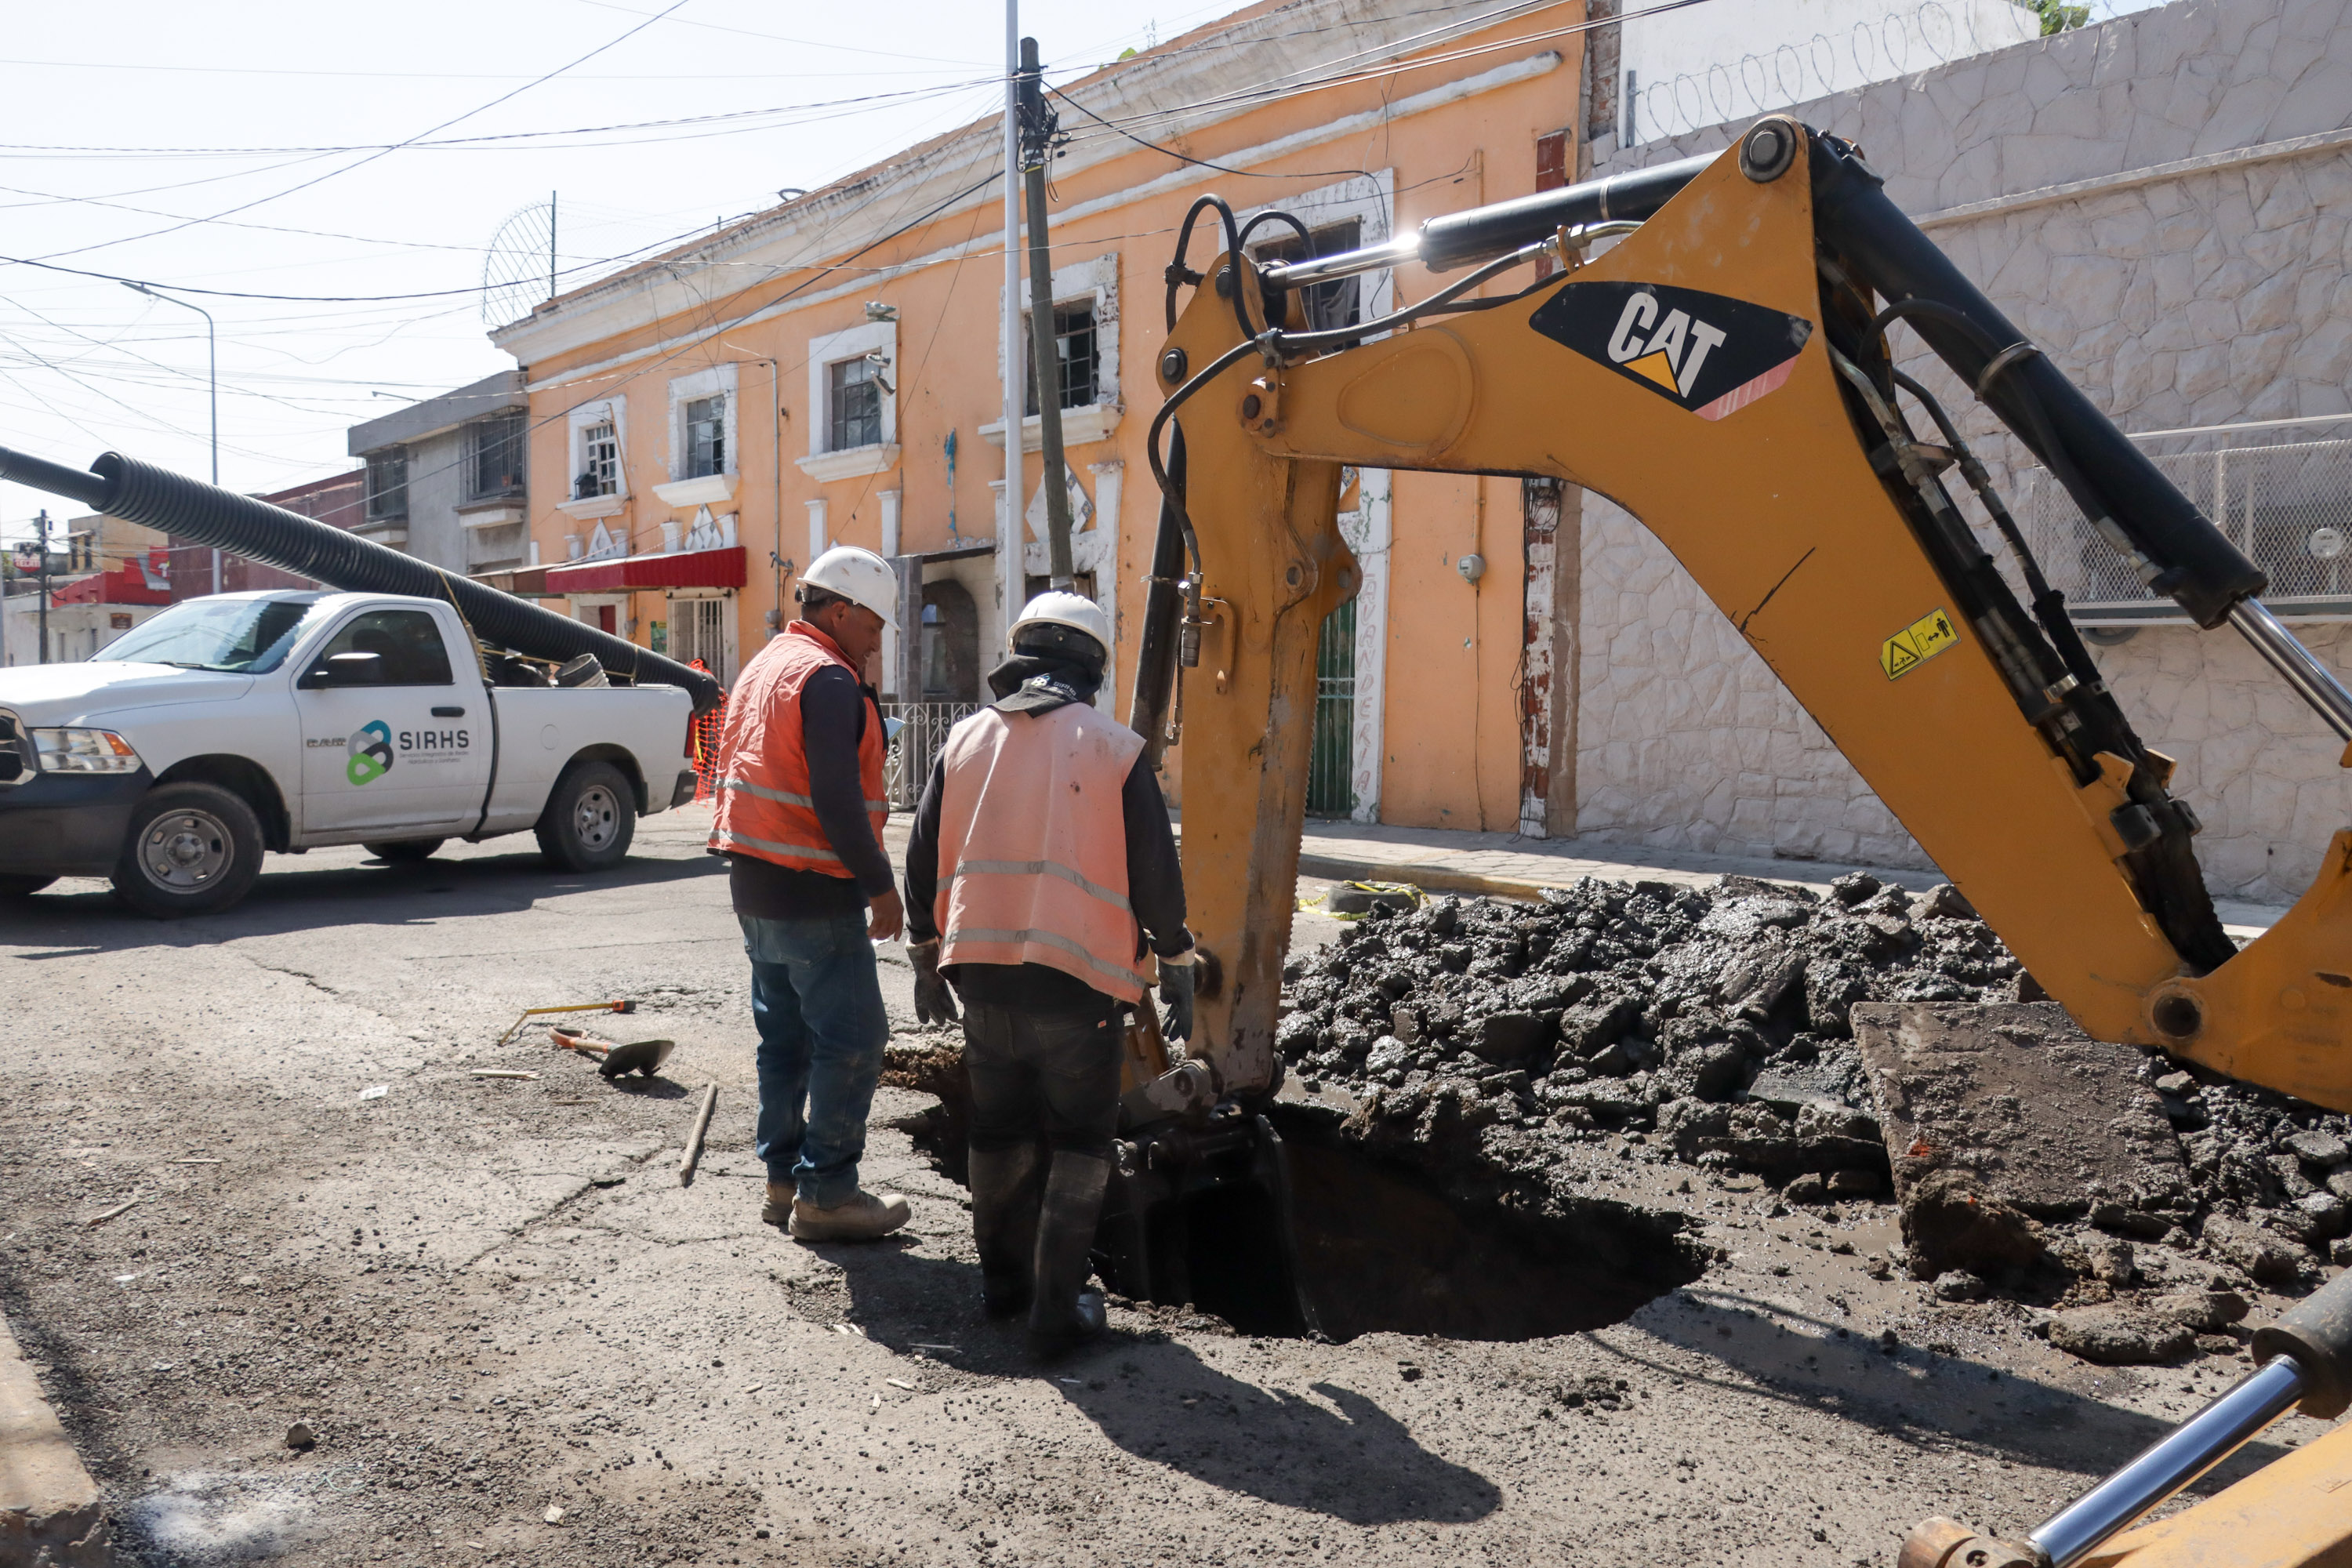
{"x":1176,"y":990}
{"x":934,"y":1003}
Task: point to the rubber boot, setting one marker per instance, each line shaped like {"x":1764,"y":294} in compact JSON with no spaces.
{"x":1065,"y":1314}
{"x":1006,"y":1191}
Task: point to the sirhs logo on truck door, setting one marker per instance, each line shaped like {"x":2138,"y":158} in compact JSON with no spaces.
{"x":1703,"y":353}
{"x":371,"y":754}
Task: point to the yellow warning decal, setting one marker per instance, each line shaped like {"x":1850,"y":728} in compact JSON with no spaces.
{"x":1916,"y":644}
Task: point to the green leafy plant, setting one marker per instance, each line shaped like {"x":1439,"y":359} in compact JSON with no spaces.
{"x":2059,"y":17}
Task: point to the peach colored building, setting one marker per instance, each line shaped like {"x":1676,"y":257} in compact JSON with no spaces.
{"x":829,"y":372}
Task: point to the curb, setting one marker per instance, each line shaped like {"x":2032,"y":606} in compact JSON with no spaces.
{"x":1430,"y":878}
{"x":51,"y":1512}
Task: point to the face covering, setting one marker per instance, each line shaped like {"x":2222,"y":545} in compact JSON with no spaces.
{"x":1039,"y":683}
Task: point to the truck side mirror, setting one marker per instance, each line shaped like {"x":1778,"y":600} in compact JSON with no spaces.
{"x":345,"y":669}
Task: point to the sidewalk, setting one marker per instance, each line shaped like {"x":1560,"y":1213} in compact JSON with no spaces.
{"x":1508,"y":865}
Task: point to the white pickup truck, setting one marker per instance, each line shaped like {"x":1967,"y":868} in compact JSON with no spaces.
{"x":244,"y":722}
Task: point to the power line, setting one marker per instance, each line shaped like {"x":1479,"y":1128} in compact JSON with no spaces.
{"x":372,"y":157}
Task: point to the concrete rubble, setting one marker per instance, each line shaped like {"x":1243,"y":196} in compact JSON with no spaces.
{"x":1828,"y":1046}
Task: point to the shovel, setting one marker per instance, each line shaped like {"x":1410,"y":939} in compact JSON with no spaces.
{"x":642,"y":1057}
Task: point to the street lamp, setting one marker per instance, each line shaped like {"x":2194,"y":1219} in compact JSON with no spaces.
{"x":212,"y":365}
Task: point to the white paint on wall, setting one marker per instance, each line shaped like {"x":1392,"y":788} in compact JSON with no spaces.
{"x":1369,"y":531}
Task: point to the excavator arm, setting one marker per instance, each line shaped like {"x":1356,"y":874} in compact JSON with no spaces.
{"x":1724,"y":374}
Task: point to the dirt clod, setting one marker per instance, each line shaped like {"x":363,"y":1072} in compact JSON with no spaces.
{"x":2114,"y":1336}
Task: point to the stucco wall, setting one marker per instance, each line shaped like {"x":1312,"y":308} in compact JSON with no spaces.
{"x":2205,"y":294}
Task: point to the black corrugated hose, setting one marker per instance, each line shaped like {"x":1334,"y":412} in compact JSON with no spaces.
{"x":156,"y":498}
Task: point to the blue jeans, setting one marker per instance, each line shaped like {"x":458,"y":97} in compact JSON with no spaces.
{"x":817,"y":1001}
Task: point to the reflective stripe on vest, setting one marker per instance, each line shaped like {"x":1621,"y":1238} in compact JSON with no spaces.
{"x":763,"y":806}
{"x":1033,"y":846}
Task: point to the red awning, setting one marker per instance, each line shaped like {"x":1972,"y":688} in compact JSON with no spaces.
{"x":678,"y":569}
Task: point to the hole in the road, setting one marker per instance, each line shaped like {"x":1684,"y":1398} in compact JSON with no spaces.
{"x":1376,"y":1245}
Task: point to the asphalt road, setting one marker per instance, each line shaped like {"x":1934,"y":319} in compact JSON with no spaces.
{"x":491,"y":1300}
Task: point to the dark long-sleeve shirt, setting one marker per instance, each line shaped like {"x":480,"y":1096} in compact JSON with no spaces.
{"x":833,"y":715}
{"x":1155,"y":890}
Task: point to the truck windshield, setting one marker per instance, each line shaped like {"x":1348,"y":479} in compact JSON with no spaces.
{"x":244,"y":636}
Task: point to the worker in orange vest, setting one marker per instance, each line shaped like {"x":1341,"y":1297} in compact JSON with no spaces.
{"x":799,"y":817}
{"x":1040,"y":857}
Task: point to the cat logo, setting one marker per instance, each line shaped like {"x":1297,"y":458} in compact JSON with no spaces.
{"x":1704,"y":352}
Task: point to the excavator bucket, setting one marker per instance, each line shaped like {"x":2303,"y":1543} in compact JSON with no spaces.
{"x":1200,"y":1211}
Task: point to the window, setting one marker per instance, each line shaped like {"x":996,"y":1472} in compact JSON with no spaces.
{"x":406,"y":644}
{"x":494,"y":457}
{"x":1080,"y":354}
{"x":243,"y":637}
{"x":387,"y":486}
{"x":706,"y":436}
{"x":600,"y":462}
{"x":1339,"y":301}
{"x":854,"y":401}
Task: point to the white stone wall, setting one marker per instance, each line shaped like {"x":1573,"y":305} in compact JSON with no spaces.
{"x":2163,"y":203}
{"x":1685,"y":738}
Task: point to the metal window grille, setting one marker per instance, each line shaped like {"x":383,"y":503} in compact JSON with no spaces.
{"x":387,"y":486}
{"x":857,"y":405}
{"x":495,"y":450}
{"x":907,"y":765}
{"x":2282,"y":492}
{"x":600,"y":462}
{"x":1332,"y":762}
{"x":1080,"y":350}
{"x":706,"y":436}
{"x":1339,"y":302}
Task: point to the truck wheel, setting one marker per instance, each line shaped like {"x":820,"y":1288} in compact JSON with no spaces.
{"x":590,"y":820}
{"x":22,"y":885}
{"x":406,"y":851}
{"x":193,"y":850}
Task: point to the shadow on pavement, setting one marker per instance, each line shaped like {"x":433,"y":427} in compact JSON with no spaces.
{"x":83,"y":918}
{"x":1341,"y":1456}
{"x":1920,"y":1395}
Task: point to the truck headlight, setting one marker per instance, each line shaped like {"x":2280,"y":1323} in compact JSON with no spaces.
{"x":85,"y":752}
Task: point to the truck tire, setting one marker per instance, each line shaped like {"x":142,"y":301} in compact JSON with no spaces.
{"x":404,"y":851}
{"x":22,"y":885}
{"x":589,"y":820}
{"x":193,"y":850}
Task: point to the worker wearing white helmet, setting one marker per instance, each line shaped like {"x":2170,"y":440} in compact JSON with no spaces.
{"x":1042,"y":880}
{"x":799,"y":816}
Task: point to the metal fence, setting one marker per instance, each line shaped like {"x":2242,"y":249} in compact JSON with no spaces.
{"x":908,"y":762}
{"x":2281,"y":490}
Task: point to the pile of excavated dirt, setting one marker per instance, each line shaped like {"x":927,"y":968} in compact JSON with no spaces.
{"x":1717,"y":1019}
{"x":1484,"y":1040}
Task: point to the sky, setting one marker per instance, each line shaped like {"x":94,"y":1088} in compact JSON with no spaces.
{"x":365,"y":159}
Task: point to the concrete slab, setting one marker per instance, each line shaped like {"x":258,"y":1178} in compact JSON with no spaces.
{"x":2012,"y":1111}
{"x":50,"y":1514}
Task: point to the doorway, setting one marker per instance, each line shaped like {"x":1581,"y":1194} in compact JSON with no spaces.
{"x":1330,"y":791}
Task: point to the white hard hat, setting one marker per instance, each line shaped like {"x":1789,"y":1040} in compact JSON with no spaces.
{"x":1060,"y":608}
{"x":860,"y":576}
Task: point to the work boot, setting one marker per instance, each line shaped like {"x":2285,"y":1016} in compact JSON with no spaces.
{"x":778,"y":1209}
{"x":1065,"y":1314}
{"x":1005,"y":1191}
{"x":864,"y":1216}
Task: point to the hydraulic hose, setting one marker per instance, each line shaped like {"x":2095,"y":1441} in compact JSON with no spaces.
{"x":2108,"y":477}
{"x":208,"y":515}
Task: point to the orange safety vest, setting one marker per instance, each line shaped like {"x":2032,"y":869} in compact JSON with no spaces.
{"x":1033,"y":846}
{"x":765,"y":809}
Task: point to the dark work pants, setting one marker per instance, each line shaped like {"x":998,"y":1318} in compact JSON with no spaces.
{"x":1043,"y":1076}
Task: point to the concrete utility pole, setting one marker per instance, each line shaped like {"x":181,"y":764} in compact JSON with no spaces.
{"x":1010,"y":578}
{"x":42,"y":524}
{"x":1037,"y":128}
